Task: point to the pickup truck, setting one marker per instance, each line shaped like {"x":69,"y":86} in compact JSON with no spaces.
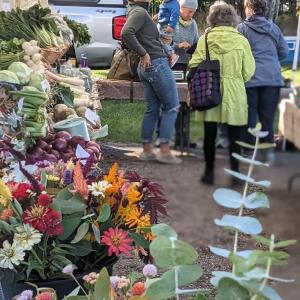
{"x":104,"y":18}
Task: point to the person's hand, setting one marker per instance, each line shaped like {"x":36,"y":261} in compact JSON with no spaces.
{"x":145,"y":61}
{"x":169,"y":29}
{"x":184,"y":45}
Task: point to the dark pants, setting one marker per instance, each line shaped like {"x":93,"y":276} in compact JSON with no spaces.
{"x":262,"y":103}
{"x":210,"y":134}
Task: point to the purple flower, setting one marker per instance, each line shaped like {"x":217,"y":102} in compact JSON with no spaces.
{"x":68,"y":269}
{"x":28,"y":294}
{"x":114,"y":280}
{"x":22,"y":298}
{"x":42,"y":163}
{"x":150,"y":270}
{"x":68,"y":177}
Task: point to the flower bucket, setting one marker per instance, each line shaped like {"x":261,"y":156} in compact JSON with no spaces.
{"x":63,"y":287}
{"x":75,"y":126}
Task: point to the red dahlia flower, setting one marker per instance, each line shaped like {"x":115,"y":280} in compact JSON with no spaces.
{"x":117,"y":241}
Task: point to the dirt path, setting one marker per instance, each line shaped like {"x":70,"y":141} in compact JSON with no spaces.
{"x":192,"y":210}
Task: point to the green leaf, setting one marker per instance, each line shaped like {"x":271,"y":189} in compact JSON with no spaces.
{"x":160,"y":289}
{"x":262,"y":240}
{"x":266,"y":146}
{"x":44,"y":179}
{"x":139,"y":240}
{"x":267,"y":291}
{"x":225,"y":253}
{"x":74,"y":292}
{"x":240,"y":264}
{"x":284,"y":244}
{"x":200,"y":297}
{"x":228,"y":198}
{"x":247,"y":225}
{"x":5,"y":227}
{"x":81,"y":232}
{"x":245,"y":145}
{"x":71,"y":205}
{"x":96,"y":232}
{"x":249,"y":160}
{"x":229,"y":289}
{"x":17,"y":207}
{"x":83,"y":248}
{"x":257,"y":200}
{"x":163,"y":230}
{"x":102,"y":289}
{"x":65,"y":193}
{"x":170,"y":253}
{"x":186,"y":275}
{"x":105,"y":213}
{"x":75,"y":298}
{"x":70,"y":223}
{"x":260,"y":258}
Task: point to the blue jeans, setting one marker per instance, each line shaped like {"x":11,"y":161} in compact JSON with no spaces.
{"x":161,"y":95}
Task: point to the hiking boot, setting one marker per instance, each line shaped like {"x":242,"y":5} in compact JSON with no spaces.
{"x":168,"y":159}
{"x":147,"y":156}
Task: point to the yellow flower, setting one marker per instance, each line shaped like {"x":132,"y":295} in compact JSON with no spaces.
{"x":53,"y":178}
{"x":133,"y":195}
{"x":5,"y":194}
{"x":134,"y":218}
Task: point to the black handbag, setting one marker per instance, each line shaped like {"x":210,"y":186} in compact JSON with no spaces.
{"x":204,"y":83}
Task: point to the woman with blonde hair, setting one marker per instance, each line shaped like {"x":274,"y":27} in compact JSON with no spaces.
{"x":237,"y":66}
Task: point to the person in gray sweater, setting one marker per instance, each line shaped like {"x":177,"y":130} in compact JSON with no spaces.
{"x":141,"y":35}
{"x":263,"y":90}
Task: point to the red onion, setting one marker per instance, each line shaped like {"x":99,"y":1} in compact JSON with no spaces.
{"x":93,"y":144}
{"x":64,"y":135}
{"x":59,"y":144}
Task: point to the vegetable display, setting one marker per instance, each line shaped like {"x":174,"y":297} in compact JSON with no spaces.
{"x":60,"y":146}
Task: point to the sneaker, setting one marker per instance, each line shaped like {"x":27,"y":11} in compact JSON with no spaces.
{"x":168,"y":159}
{"x":173,"y":60}
{"x":147,"y":156}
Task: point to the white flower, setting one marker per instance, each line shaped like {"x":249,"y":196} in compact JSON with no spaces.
{"x":27,"y":237}
{"x":99,"y":188}
{"x":11,"y":255}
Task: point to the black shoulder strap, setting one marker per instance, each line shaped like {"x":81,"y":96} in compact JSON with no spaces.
{"x":206,"y":47}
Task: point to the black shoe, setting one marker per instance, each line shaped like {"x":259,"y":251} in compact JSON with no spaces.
{"x":208,"y":177}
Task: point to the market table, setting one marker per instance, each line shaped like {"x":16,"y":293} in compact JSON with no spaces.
{"x":289,"y":127}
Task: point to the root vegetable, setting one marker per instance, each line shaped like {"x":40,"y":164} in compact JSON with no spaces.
{"x":94,"y":149}
{"x":75,"y":140}
{"x":29,"y":50}
{"x":68,"y":80}
{"x":36,"y":58}
{"x":51,"y":157}
{"x":93,"y":144}
{"x":59,"y":144}
{"x":32,"y":43}
{"x":26,"y":45}
{"x":64,"y":135}
{"x":26,"y":58}
{"x":30,"y":63}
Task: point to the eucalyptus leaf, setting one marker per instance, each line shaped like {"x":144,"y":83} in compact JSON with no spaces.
{"x":81,"y":232}
{"x":44,"y":179}
{"x":17,"y":206}
{"x":240,"y":176}
{"x":225,"y":253}
{"x":283,"y":244}
{"x":105,"y":213}
{"x":265,"y":146}
{"x":139,"y":240}
{"x":70,"y":223}
{"x":245,"y":145}
{"x":96,"y":232}
{"x":247,"y":225}
{"x":170,"y":253}
{"x":82,"y":248}
{"x":71,"y":205}
{"x":164,"y":230}
{"x":257,"y":200}
{"x":218,"y":275}
{"x":262,"y":240}
{"x":160,"y":289}
{"x":267,"y":291}
{"x":75,"y":298}
{"x":249,"y":161}
{"x":229,"y":289}
{"x":228,"y":198}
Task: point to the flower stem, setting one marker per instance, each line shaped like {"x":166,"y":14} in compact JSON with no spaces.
{"x":250,"y":170}
{"x":74,"y":278}
{"x":36,"y":256}
{"x":268,"y":269}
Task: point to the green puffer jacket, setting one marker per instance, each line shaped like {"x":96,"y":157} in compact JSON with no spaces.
{"x":237,"y":67}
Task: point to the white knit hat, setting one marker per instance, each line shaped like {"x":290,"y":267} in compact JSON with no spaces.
{"x":192,"y":4}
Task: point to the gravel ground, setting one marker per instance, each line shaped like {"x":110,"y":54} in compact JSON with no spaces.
{"x":192,"y":210}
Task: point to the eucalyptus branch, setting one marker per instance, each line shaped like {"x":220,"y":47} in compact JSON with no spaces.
{"x":268,"y":269}
{"x":250,"y":170}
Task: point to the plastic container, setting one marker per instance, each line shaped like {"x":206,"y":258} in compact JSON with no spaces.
{"x":75,"y":126}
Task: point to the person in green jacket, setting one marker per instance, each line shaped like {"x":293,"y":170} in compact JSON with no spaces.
{"x":237,"y":64}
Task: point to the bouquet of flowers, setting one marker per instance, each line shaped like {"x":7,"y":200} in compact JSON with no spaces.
{"x":73,"y":213}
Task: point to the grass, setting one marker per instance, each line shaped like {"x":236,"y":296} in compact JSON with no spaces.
{"x":124,"y":118}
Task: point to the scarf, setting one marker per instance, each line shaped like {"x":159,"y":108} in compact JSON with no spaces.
{"x":185,"y":23}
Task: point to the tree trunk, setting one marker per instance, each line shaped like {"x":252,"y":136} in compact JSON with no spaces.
{"x":273,"y":6}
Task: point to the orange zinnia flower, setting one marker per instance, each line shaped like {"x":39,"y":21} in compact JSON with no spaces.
{"x":6,"y":214}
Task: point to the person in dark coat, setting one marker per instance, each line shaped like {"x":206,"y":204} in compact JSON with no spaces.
{"x":263,"y":90}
